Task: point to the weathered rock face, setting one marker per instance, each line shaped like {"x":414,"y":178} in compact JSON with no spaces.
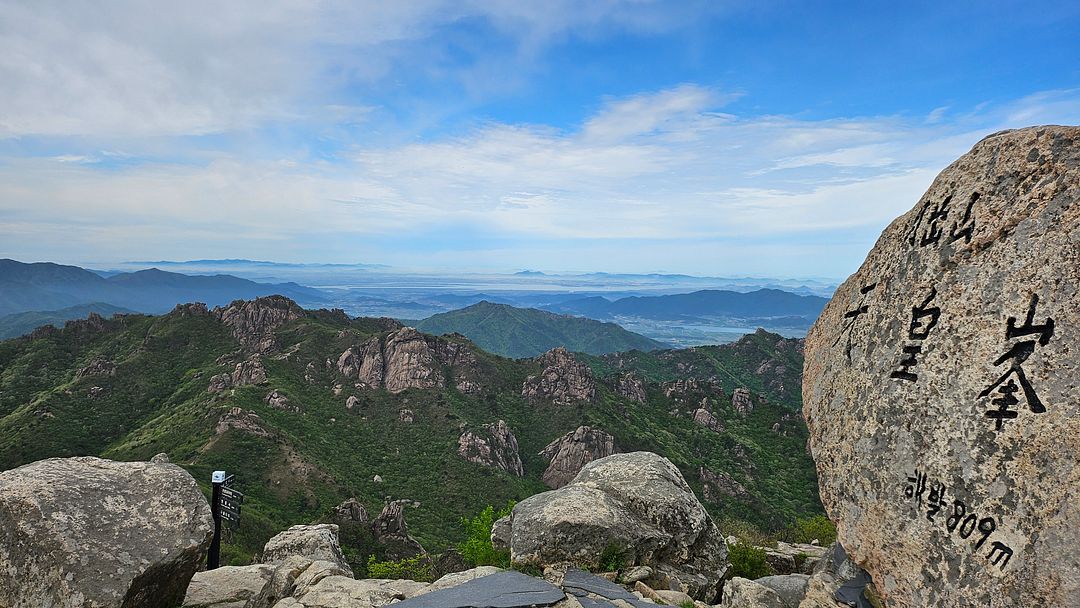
{"x":719,"y":486}
{"x":249,"y":371}
{"x":97,"y":533}
{"x":564,"y":380}
{"x":740,"y":400}
{"x":405,"y":359}
{"x":942,"y":386}
{"x":410,"y":362}
{"x":392,"y":532}
{"x":315,"y":542}
{"x":706,"y":419}
{"x":253,"y":321}
{"x":351,"y":511}
{"x":630,"y":386}
{"x":569,"y":453}
{"x":242,"y":420}
{"x":638,"y":502}
{"x":97,"y":367}
{"x":494,"y":445}
{"x":277,"y":399}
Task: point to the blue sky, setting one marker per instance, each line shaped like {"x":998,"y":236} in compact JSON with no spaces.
{"x":714,"y":138}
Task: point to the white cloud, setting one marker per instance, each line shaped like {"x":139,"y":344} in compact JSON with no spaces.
{"x":134,"y":68}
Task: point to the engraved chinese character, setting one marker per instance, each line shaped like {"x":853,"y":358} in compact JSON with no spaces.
{"x":1006,"y":384}
{"x":852,"y":317}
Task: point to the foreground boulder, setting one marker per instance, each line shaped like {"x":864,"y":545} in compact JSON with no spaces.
{"x":636,"y":506}
{"x":88,"y":532}
{"x":315,"y":542}
{"x":942,"y":386}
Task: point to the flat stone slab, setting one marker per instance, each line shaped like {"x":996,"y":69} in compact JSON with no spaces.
{"x":507,"y":589}
{"x":579,"y":583}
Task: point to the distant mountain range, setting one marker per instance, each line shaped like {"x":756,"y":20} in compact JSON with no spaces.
{"x":45,"y":286}
{"x":527,"y":332}
{"x":761,"y":307}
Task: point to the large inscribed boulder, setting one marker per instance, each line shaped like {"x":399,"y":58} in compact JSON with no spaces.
{"x":942,"y":386}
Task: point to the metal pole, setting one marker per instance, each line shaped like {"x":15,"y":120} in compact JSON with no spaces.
{"x":213,"y":558}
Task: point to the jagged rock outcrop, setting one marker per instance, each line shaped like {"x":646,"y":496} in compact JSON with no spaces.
{"x":942,"y":386}
{"x":243,"y":420}
{"x":631,"y":387}
{"x":493,"y":445}
{"x":314,"y":542}
{"x":392,"y":532}
{"x":564,"y":380}
{"x":277,"y":400}
{"x":253,"y":321}
{"x":706,"y":419}
{"x":248,"y":371}
{"x":569,"y":453}
{"x":740,"y":400}
{"x":97,"y":367}
{"x":410,"y":362}
{"x":406,"y":358}
{"x":719,"y":486}
{"x":637,"y":502}
{"x":406,"y":415}
{"x":91,"y":532}
{"x":351,"y":511}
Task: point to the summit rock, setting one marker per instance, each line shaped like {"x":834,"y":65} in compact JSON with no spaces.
{"x":942,"y":386}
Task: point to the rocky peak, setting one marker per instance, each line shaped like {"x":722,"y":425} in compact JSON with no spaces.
{"x":351,"y":511}
{"x":564,"y":379}
{"x":277,"y":399}
{"x":631,"y":387}
{"x":391,"y":531}
{"x":569,"y":453}
{"x":718,"y":486}
{"x":706,"y":419}
{"x":740,"y":400}
{"x":253,"y":321}
{"x":494,"y":445}
{"x":410,"y":361}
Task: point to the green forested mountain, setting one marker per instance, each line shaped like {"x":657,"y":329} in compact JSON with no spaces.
{"x":309,"y":408}
{"x":527,"y":332}
{"x":21,"y":323}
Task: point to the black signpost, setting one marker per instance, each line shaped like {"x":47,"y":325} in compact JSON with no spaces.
{"x":225,"y":506}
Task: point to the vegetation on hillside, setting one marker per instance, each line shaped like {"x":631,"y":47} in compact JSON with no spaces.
{"x":527,"y":332}
{"x":300,"y":464}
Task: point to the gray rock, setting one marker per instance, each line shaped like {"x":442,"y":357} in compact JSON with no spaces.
{"x":574,"y":450}
{"x":315,"y":542}
{"x":96,"y":533}
{"x":228,"y":586}
{"x":345,"y":592}
{"x":635,"y":574}
{"x":564,"y":379}
{"x":459,"y":578}
{"x":391,"y":531}
{"x":507,"y":589}
{"x":501,"y":534}
{"x":943,"y":408}
{"x":744,"y":593}
{"x":494,"y":445}
{"x":791,"y":587}
{"x":740,"y":400}
{"x":638,"y":504}
{"x":253,"y":322}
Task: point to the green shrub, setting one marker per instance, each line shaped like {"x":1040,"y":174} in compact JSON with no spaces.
{"x":412,"y":568}
{"x":748,"y":561}
{"x":477,"y":549}
{"x":612,"y":559}
{"x":808,"y":529}
{"x":687,"y":604}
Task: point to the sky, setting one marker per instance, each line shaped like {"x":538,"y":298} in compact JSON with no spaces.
{"x":717,"y":138}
